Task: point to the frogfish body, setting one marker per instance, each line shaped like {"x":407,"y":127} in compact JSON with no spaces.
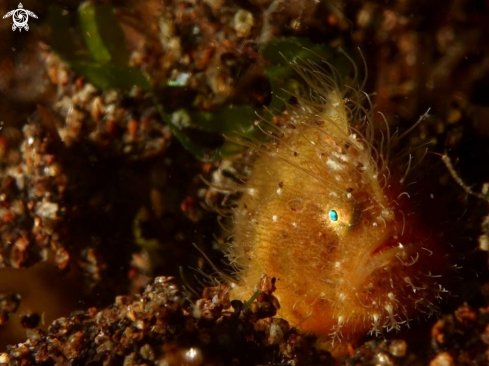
{"x":324,"y":212}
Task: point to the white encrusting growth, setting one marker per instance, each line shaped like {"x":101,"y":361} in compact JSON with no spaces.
{"x":335,"y":165}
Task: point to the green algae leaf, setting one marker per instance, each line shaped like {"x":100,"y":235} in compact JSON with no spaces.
{"x":282,"y":52}
{"x":226,"y":120}
{"x":103,"y":59}
{"x":205,"y":131}
{"x":209,"y":135}
{"x":61,"y":39}
{"x":103,"y":34}
{"x":279,"y":54}
{"x":107,"y":76}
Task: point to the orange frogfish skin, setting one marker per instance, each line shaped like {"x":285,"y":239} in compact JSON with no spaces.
{"x":325,"y":213}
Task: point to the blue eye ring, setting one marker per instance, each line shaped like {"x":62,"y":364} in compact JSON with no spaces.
{"x":333,"y":215}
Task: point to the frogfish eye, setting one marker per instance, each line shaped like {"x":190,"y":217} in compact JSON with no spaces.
{"x":333,"y":215}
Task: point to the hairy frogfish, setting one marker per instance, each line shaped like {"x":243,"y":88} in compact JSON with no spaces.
{"x":324,"y":211}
